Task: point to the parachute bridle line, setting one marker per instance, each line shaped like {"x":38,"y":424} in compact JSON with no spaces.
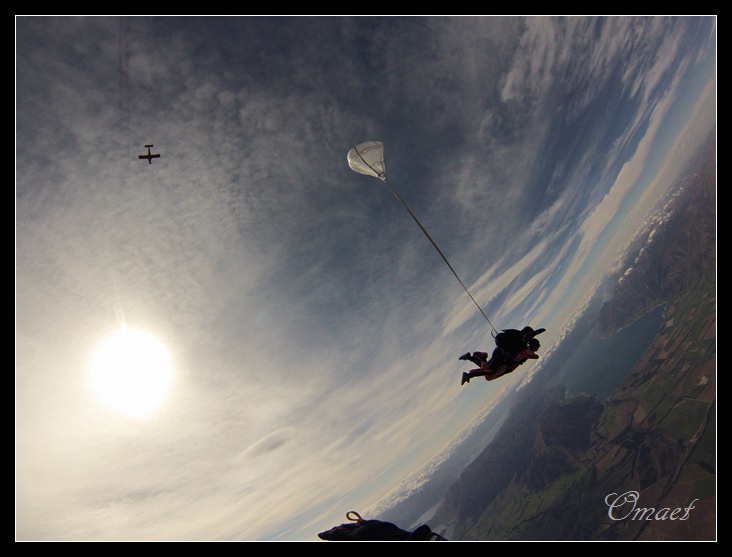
{"x":382,"y":177}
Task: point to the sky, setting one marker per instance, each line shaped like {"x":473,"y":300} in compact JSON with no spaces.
{"x":309,"y":330}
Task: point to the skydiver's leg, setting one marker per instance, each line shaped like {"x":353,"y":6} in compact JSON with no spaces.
{"x":495,"y":373}
{"x":483,"y":371}
{"x":472,"y":374}
{"x":478,"y":358}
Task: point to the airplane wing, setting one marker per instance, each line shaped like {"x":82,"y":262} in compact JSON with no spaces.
{"x":149,"y":155}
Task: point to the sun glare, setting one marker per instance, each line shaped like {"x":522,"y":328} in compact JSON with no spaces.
{"x":131,"y":373}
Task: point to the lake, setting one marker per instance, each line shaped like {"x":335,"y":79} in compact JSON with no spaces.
{"x":600,"y":364}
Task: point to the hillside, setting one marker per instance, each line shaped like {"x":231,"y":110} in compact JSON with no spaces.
{"x":674,"y":251}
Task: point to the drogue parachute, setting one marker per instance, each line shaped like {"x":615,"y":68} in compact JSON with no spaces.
{"x":368,"y":158}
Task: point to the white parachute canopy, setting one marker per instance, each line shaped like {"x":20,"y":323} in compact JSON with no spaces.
{"x":368,"y":158}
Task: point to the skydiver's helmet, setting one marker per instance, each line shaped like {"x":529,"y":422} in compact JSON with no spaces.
{"x":534,"y":344}
{"x":527,"y":332}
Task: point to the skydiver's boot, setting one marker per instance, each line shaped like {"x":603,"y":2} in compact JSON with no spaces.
{"x":466,"y":378}
{"x":465,"y":356}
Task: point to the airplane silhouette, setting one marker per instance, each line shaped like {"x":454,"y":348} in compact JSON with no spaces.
{"x":149,"y":156}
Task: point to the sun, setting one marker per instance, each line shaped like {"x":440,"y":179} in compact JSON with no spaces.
{"x":131,"y":373}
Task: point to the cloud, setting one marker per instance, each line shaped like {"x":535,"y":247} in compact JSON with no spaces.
{"x":495,"y":282}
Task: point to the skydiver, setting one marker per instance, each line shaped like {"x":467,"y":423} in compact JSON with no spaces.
{"x":513,"y":341}
{"x":499,"y":364}
{"x":509,"y":342}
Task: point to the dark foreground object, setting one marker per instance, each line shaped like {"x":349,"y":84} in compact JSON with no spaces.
{"x":376,"y":530}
